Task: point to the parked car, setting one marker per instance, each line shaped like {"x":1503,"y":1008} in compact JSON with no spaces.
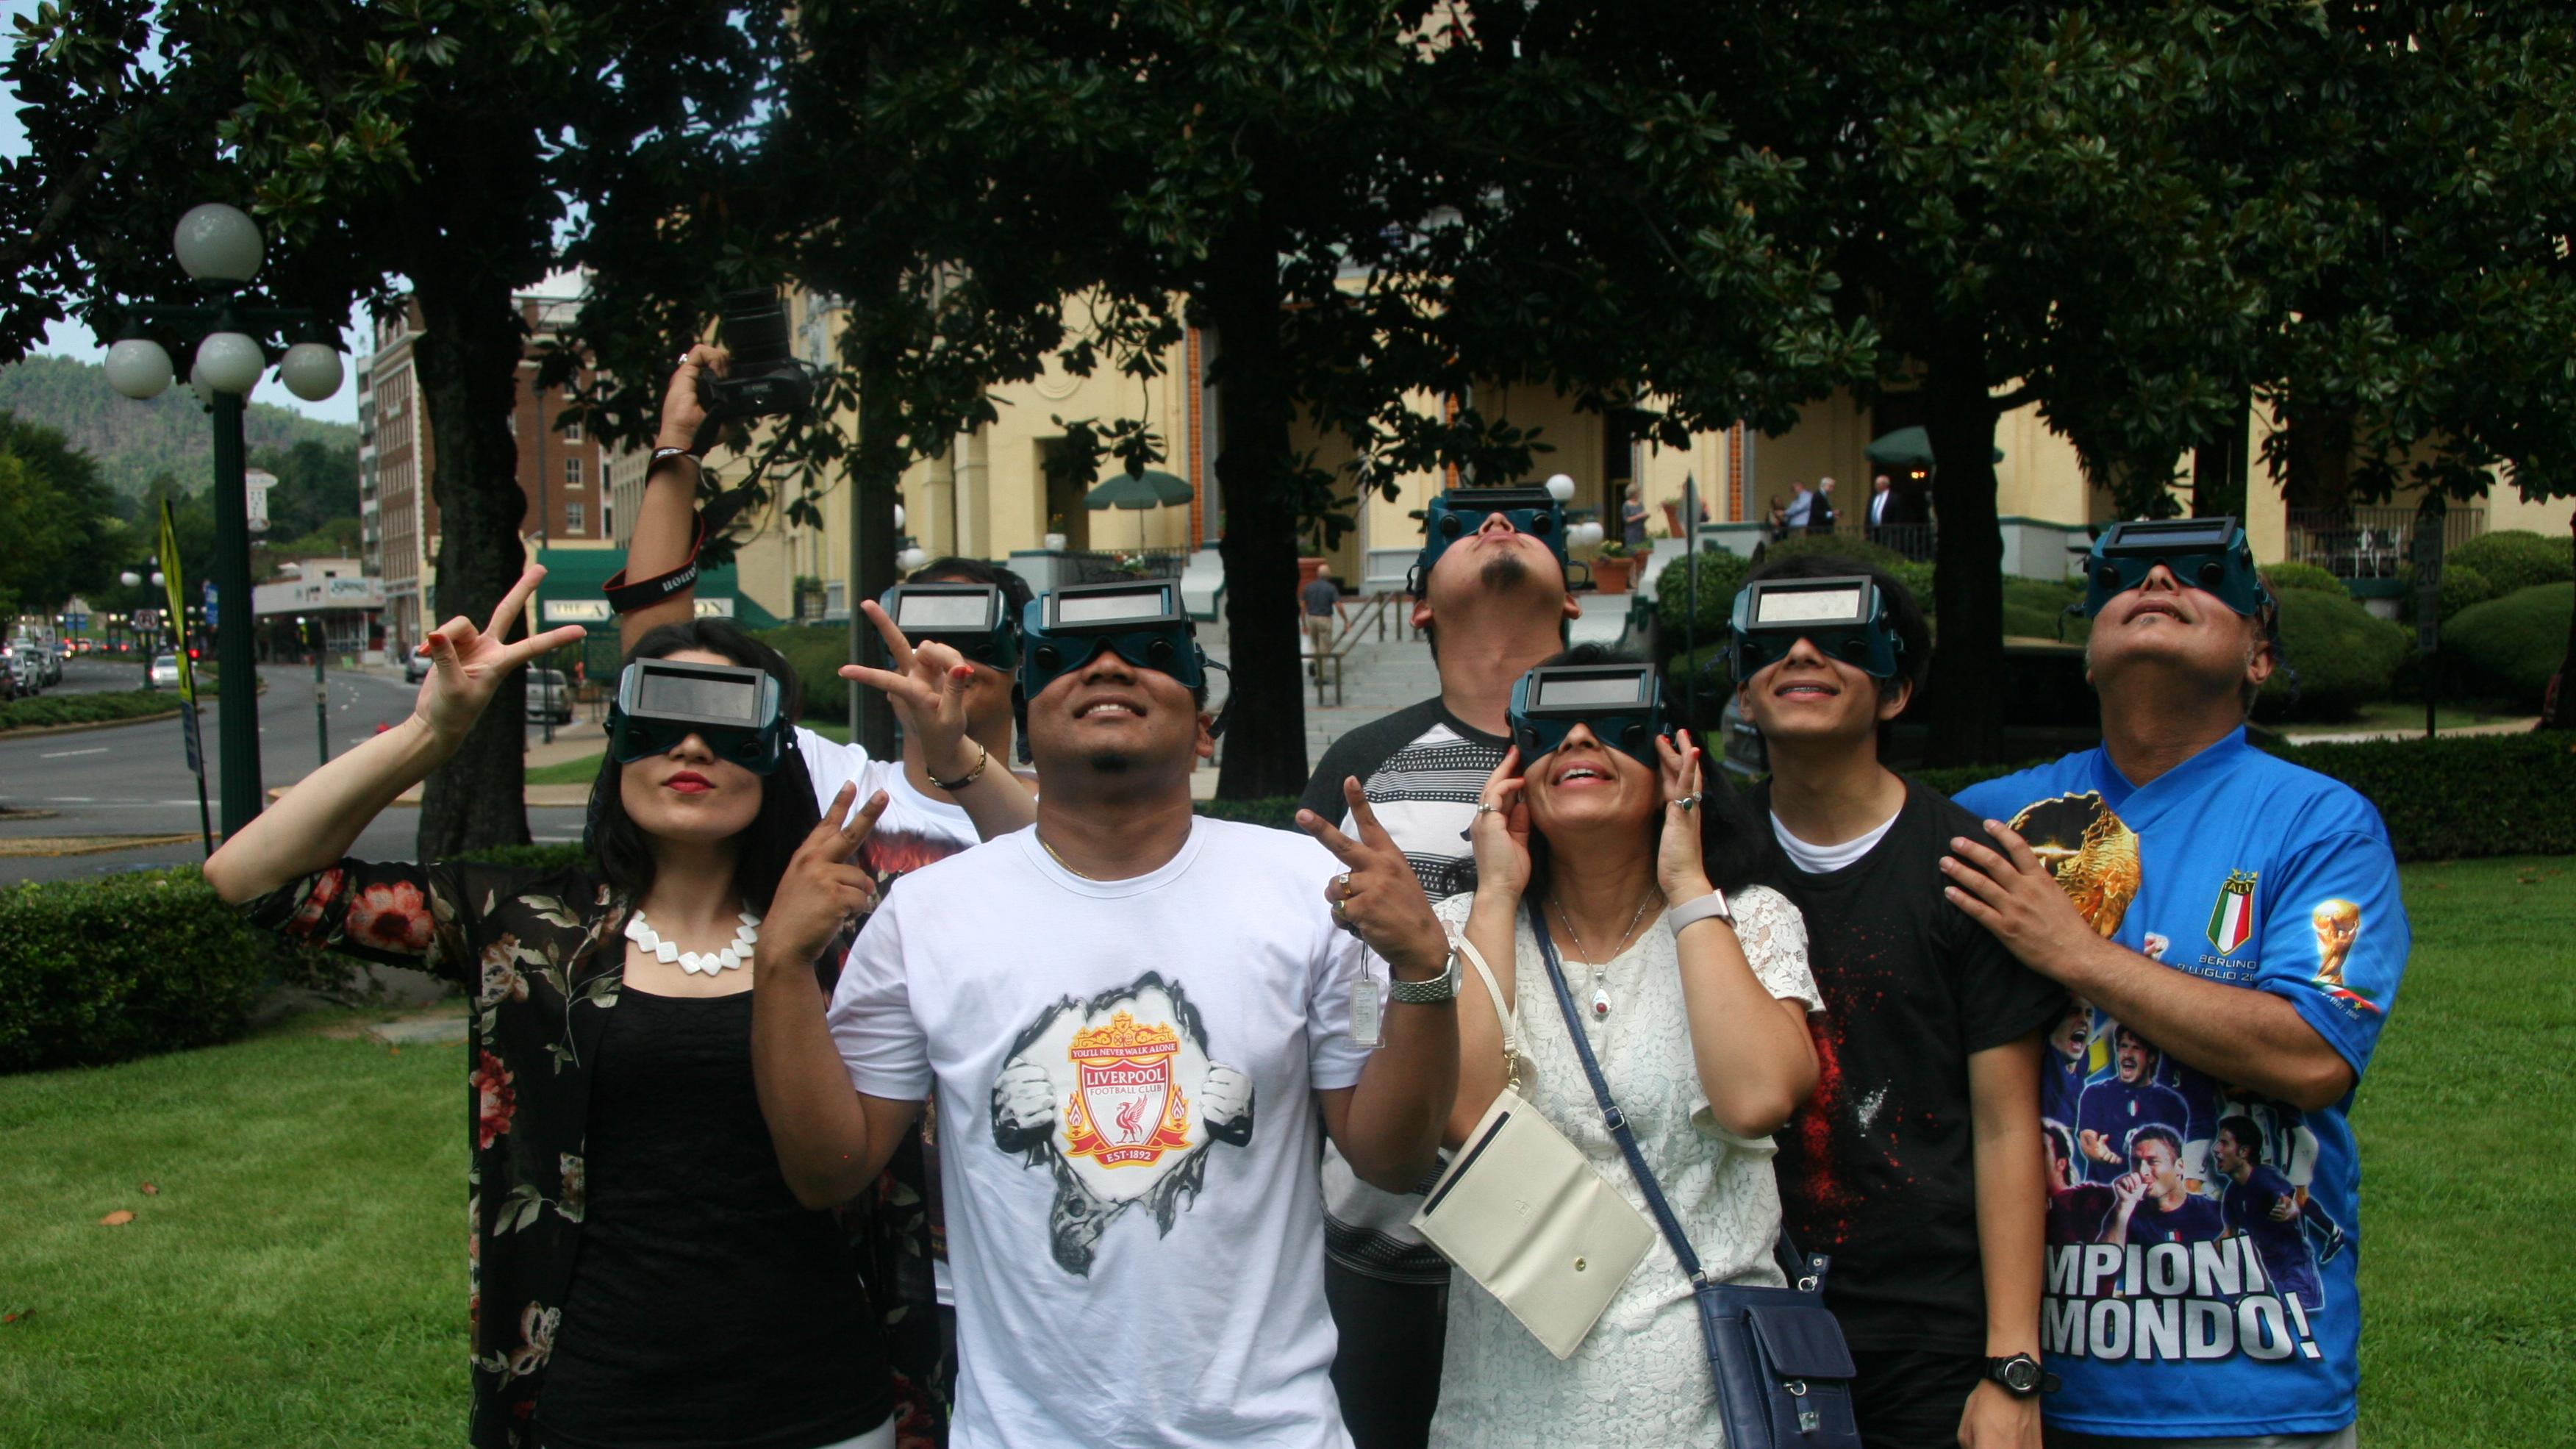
{"x":415,"y":666}
{"x":28,"y":665}
{"x":165,"y":671}
{"x":549,"y":697}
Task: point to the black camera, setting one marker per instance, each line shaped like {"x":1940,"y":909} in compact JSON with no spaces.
{"x":763,"y":379}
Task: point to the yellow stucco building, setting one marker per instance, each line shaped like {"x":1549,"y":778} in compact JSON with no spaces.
{"x":988,"y":494}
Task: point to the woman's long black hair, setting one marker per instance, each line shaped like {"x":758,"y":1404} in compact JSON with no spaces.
{"x":787,"y":811}
{"x":1735,"y":847}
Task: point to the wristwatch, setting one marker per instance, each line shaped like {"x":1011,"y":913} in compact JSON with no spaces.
{"x":1710,"y":907}
{"x":2021,"y":1376}
{"x":1440,"y":988}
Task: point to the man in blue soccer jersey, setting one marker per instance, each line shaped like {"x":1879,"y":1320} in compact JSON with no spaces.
{"x":2273,"y":894}
{"x":2260,"y":1203}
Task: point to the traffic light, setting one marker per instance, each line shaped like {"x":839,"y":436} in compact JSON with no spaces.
{"x":194,"y":654}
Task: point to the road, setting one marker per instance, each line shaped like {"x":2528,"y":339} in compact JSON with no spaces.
{"x":133,"y":779}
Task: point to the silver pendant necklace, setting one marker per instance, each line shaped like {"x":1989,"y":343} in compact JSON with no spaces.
{"x":1601,"y":968}
{"x":730,"y":958}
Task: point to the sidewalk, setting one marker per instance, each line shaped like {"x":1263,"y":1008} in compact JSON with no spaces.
{"x":2346,"y":737}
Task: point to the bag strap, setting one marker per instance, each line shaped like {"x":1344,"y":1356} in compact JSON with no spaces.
{"x":1494,"y":994}
{"x":1611,"y":1116}
{"x":1805,"y":1273}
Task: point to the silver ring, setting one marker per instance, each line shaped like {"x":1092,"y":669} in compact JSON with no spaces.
{"x":1487,"y":807}
{"x":1689,"y":801}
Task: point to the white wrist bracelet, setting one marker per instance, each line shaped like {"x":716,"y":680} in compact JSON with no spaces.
{"x":1699,"y":908}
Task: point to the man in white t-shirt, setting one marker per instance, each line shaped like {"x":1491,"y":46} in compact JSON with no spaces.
{"x":1138,"y":1025}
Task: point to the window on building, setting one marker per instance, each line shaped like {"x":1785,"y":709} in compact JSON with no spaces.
{"x":608,"y":518}
{"x":572,"y":430}
{"x":572,"y":472}
{"x":572,"y":518}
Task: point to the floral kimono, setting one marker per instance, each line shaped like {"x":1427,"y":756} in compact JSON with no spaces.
{"x":542,"y":955}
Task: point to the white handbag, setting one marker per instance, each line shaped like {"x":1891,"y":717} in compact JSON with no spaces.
{"x":1524,"y":1213}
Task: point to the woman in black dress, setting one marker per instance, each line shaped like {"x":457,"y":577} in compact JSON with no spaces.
{"x":642,"y":1277}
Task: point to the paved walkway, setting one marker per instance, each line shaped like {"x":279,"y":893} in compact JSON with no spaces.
{"x":2416,"y":732}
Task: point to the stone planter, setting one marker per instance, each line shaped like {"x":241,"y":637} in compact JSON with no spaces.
{"x":1053,"y":542}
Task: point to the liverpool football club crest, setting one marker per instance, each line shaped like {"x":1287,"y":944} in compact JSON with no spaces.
{"x":1126,"y":1109}
{"x":2231,"y":920}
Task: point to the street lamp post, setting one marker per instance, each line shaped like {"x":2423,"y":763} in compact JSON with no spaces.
{"x":221,"y":246}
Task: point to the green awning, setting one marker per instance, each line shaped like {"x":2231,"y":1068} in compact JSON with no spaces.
{"x":571,"y":592}
{"x":1907,"y":448}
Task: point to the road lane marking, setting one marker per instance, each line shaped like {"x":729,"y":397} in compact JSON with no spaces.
{"x":67,"y":754}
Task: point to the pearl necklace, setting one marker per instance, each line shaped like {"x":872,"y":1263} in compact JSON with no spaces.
{"x":694,"y":962}
{"x":1601,"y":969}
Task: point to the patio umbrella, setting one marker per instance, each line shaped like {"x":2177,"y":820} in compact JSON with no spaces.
{"x":1151,"y":488}
{"x":1907,"y":448}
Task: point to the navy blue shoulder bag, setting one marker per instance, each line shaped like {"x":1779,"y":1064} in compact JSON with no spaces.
{"x":1782,"y":1372}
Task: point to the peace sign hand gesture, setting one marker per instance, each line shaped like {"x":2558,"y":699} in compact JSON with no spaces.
{"x":467,"y":664}
{"x":821,"y":891}
{"x":1376,"y":896}
{"x":927,"y":687}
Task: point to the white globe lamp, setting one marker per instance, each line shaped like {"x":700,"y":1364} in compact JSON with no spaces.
{"x":138,"y":368}
{"x":197,"y":383}
{"x":231,"y":362}
{"x":311,"y":370}
{"x":910,"y":559}
{"x":1560,"y":487}
{"x":1585,"y":535}
{"x":898,"y":516}
{"x":218,"y":243}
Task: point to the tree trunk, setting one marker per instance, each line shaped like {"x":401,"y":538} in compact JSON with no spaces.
{"x":468,"y":356}
{"x":2560,"y":713}
{"x":2219,"y":466}
{"x":2318,"y":468}
{"x":1968,"y":589}
{"x":1265,"y":746}
{"x":876,"y":474}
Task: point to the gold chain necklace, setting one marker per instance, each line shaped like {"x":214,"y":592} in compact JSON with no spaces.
{"x":1060,"y":860}
{"x":1600,"y":969}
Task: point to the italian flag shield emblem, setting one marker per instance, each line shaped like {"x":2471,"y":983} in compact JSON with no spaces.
{"x":2231,"y":920}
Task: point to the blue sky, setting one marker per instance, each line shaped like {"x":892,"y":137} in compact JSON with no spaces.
{"x":71,"y":339}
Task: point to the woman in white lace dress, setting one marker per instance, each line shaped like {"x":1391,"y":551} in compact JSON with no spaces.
{"x":1702,"y":1037}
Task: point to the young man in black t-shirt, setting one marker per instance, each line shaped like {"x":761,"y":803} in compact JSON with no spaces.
{"x":1918,"y":1164}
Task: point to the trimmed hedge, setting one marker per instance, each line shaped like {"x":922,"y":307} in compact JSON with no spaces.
{"x":1721,"y":574}
{"x":2517,"y":559}
{"x":104,"y":707}
{"x":2443,"y":799}
{"x":100,"y":971}
{"x":2280,"y":576}
{"x":816,"y":652}
{"x":2343,"y":656}
{"x":2510,"y":646}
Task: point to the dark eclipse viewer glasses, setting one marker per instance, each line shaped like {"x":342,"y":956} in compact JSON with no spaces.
{"x":1622,"y":703}
{"x":739,"y":712}
{"x":1844,"y":618}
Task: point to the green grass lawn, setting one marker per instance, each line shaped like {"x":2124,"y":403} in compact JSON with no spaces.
{"x":299,"y":1278}
{"x":2403,"y":714}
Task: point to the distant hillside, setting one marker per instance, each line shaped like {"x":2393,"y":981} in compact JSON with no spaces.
{"x":132,"y":440}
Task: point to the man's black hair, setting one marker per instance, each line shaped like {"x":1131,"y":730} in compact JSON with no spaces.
{"x":2061,"y":1143}
{"x":787,"y":813}
{"x":959,"y":569}
{"x":2156,"y":1132}
{"x":1735,"y":849}
{"x":2249,"y":1138}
